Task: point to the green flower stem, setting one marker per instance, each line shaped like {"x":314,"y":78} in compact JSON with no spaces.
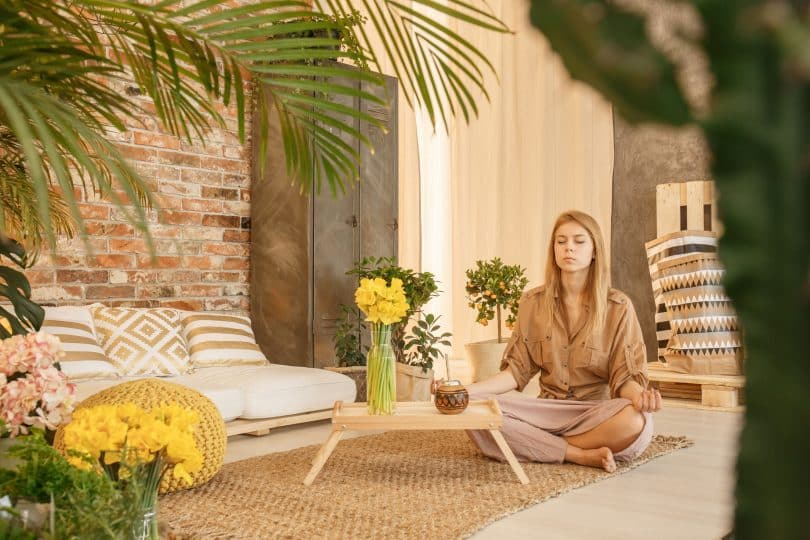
{"x":381,"y":387}
{"x":146,"y":528}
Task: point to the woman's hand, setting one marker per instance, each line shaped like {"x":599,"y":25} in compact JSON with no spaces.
{"x":647,"y":401}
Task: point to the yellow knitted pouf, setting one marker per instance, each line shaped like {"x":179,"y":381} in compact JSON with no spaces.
{"x":148,"y":393}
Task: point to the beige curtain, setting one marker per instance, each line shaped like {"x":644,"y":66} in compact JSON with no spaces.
{"x":543,"y":144}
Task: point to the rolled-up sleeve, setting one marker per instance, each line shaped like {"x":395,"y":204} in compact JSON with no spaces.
{"x":628,"y":356}
{"x":518,"y":360}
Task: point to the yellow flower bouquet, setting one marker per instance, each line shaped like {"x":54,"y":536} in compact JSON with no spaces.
{"x":138,"y":447}
{"x":384,"y":305}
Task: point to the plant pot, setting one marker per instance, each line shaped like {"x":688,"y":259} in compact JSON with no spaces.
{"x":358,"y":375}
{"x":413,"y":384}
{"x":7,"y":461}
{"x":485,"y":358}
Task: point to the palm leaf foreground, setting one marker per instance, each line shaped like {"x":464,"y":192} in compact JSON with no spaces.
{"x":58,"y":56}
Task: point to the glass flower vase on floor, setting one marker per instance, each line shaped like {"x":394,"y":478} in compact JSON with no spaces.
{"x":381,"y":375}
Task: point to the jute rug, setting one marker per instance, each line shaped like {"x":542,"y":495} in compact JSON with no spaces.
{"x":401,"y":484}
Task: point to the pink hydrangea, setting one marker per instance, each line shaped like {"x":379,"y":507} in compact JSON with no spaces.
{"x":33,"y":391}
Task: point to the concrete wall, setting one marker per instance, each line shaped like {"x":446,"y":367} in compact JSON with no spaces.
{"x":646,"y":156}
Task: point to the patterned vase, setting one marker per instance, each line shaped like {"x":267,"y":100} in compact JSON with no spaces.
{"x":452,"y":397}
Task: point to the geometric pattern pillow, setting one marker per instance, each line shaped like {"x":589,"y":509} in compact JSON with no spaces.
{"x":142,"y":341}
{"x":705,"y":335}
{"x":662,"y":253}
{"x":84,"y":359}
{"x":216,"y":339}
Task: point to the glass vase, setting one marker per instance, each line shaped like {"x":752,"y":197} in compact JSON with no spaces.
{"x":145,"y":526}
{"x":381,"y":372}
{"x":148,"y":475}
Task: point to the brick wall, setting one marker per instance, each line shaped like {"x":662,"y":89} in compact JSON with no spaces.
{"x":202,"y":230}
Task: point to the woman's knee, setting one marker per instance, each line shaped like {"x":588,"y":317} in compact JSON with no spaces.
{"x":628,"y":425}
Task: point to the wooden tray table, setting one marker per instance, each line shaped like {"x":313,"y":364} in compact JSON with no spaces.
{"x":415,"y":415}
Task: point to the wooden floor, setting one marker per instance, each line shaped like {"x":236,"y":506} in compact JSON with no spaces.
{"x":684,"y":495}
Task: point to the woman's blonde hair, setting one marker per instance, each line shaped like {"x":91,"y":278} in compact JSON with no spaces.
{"x":598,"y":282}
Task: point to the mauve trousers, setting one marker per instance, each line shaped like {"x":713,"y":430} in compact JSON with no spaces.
{"x":534,"y":428}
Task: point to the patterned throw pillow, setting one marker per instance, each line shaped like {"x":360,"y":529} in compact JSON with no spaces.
{"x":705,"y":338}
{"x":216,"y":339}
{"x":142,"y":341}
{"x":672,"y":247}
{"x":696,"y":324}
{"x":84,"y":359}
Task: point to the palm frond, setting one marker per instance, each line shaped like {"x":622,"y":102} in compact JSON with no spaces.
{"x":18,"y":213}
{"x":166,"y":46}
{"x":56,"y":102}
{"x":436,"y":65}
{"x":54,"y":141}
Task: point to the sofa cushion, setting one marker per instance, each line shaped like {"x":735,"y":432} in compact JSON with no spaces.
{"x":84,"y":358}
{"x":229,"y":400}
{"x":142,"y":341}
{"x":274,"y":390}
{"x":216,"y":339}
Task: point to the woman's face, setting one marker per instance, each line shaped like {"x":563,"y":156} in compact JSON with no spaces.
{"x":573,"y":247}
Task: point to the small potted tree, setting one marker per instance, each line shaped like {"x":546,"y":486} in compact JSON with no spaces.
{"x":493,"y":290}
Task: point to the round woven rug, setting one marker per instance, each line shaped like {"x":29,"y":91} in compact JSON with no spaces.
{"x":397,"y":485}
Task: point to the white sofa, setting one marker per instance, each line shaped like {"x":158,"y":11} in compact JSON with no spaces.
{"x":252,"y":397}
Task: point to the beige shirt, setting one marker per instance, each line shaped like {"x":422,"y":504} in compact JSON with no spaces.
{"x":572,"y":367}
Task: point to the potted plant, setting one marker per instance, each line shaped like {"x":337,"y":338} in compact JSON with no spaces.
{"x":421,"y":350}
{"x":350,"y":350}
{"x":86,"y":504}
{"x":419,"y":287}
{"x":493,"y":289}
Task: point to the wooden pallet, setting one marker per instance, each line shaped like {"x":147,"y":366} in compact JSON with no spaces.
{"x":713,"y":392}
{"x":686,"y":206}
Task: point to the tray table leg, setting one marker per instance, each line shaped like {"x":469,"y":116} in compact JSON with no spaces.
{"x":510,"y":457}
{"x":322,"y":455}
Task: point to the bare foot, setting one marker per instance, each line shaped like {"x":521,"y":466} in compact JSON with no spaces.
{"x":598,"y":457}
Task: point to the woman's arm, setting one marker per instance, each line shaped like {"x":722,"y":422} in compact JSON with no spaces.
{"x":500,"y":383}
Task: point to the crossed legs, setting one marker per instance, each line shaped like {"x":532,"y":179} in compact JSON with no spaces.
{"x":595,"y":448}
{"x":540,"y":430}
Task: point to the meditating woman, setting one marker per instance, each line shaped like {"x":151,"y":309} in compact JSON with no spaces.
{"x":584,"y":338}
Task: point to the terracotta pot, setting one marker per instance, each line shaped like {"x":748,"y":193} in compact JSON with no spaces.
{"x":485,"y":358}
{"x":452,"y":397}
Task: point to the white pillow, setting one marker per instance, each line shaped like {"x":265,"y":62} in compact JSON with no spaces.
{"x":84,"y":359}
{"x":218,"y":339}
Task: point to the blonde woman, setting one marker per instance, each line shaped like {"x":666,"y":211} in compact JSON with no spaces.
{"x":584,"y":338}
